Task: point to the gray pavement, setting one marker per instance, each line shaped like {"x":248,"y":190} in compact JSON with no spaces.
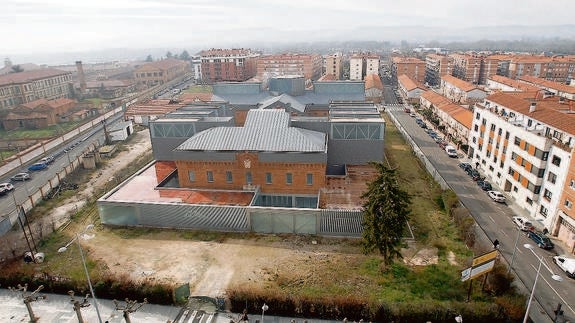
{"x":58,"y":308}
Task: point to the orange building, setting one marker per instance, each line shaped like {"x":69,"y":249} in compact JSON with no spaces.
{"x":414,"y":68}
{"x":228,"y":65}
{"x":159,"y":72}
{"x":307,"y":65}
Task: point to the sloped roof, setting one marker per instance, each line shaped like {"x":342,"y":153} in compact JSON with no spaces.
{"x":29,"y":76}
{"x":51,"y":103}
{"x":545,"y":111}
{"x":265,"y":130}
{"x":285,"y":99}
{"x":463,"y":116}
{"x":464,"y":85}
{"x":163,"y":64}
{"x":373,"y":81}
{"x":549,"y":84}
{"x":408,"y":83}
{"x":522,"y":86}
{"x":435,"y":98}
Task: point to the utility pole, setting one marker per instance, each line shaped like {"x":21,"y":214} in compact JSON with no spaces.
{"x":130,"y":307}
{"x":79,"y":305}
{"x":29,"y":298}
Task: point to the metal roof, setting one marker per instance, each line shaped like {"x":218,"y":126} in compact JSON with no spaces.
{"x":285,"y":99}
{"x":265,"y":130}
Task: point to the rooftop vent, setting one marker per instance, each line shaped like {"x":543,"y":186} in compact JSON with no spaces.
{"x":532,"y":107}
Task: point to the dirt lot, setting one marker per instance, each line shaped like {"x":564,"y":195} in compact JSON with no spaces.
{"x":209,"y":266}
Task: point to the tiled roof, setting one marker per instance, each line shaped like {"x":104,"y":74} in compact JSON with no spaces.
{"x":513,"y":83}
{"x":408,"y":83}
{"x":435,"y":98}
{"x":545,"y":111}
{"x":29,"y":76}
{"x":549,"y":84}
{"x":265,"y":130}
{"x":373,"y":81}
{"x":164,"y":64}
{"x":465,"y":86}
{"x":406,"y":60}
{"x":51,"y":103}
{"x":463,"y":116}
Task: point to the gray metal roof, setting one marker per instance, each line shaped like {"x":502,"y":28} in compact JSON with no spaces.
{"x":265,"y":130}
{"x":285,"y":99}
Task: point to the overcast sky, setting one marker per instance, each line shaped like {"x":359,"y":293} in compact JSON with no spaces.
{"x":79,"y":25}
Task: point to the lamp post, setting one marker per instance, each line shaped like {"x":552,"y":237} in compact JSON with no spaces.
{"x":555,"y":277}
{"x":64,"y":248}
{"x":264,"y":308}
{"x":514,"y":250}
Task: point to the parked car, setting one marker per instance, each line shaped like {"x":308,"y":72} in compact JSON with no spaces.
{"x":522,"y":223}
{"x":38,"y":166}
{"x":406,"y":110}
{"x":540,"y":239}
{"x":413,"y":115}
{"x":474,"y":174}
{"x":566,"y":264}
{"x":496,"y":196}
{"x":443,"y":144}
{"x":465,"y":166}
{"x":5,"y":188}
{"x":485,"y":185}
{"x":20,"y":177}
{"x":451,"y":151}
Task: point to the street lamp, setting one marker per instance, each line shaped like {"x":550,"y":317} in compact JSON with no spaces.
{"x":64,"y":248}
{"x":264,"y":308}
{"x":555,"y":277}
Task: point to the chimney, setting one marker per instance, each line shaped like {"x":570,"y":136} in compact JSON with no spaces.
{"x":81,"y":76}
{"x":532,"y":107}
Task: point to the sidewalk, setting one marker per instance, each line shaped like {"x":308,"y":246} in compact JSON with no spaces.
{"x":58,"y":308}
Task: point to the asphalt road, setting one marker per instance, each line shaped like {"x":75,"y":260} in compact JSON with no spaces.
{"x":495,"y":220}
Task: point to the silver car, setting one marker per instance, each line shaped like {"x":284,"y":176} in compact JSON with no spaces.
{"x":20,"y":177}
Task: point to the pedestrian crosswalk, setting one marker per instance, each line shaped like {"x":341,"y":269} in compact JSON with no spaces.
{"x":394,"y":107}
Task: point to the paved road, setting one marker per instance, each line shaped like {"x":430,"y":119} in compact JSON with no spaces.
{"x":495,"y":220}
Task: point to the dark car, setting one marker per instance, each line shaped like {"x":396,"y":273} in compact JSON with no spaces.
{"x":540,"y":239}
{"x":465,"y":166}
{"x":38,"y":166}
{"x":485,"y":185}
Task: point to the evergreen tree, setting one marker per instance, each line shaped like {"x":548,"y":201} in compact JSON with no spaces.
{"x":169,"y":54}
{"x":386,"y":211}
{"x":149,"y":58}
{"x":185,"y":55}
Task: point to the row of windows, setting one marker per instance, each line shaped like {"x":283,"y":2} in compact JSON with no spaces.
{"x":248,"y":177}
{"x":536,"y":189}
{"x":539,"y":172}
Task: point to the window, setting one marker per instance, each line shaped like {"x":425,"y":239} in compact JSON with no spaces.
{"x":492,"y":127}
{"x":248,"y":177}
{"x":552,"y":177}
{"x":309,"y":179}
{"x":556,"y":161}
{"x":543,"y":211}
{"x":477,"y":116}
{"x":289,"y":178}
{"x":268,"y":178}
{"x":229,"y":178}
{"x":506,"y":134}
{"x":572,"y":184}
{"x":568,"y":204}
{"x":474,"y":140}
{"x":517,"y":141}
{"x":210,"y":176}
{"x":499,"y":132}
{"x":483,"y":121}
{"x":547,"y":194}
{"x":191,"y":176}
{"x":529,"y":201}
{"x":476,"y":128}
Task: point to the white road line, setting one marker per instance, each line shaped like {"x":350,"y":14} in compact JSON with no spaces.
{"x":491,"y":218}
{"x":556,"y":292}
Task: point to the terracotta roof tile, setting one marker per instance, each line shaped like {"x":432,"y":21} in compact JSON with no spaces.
{"x":464,"y":85}
{"x":29,"y":76}
{"x":373,"y":81}
{"x":514,"y":83}
{"x":409,"y":84}
{"x":164,"y":64}
{"x":549,"y":84}
{"x":435,"y":98}
{"x":545,"y":111}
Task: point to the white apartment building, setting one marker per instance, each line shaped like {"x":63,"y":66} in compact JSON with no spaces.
{"x":523,"y":147}
{"x":372,"y":64}
{"x":356,"y":68}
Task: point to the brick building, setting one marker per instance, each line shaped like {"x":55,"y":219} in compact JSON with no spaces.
{"x":38,"y":114}
{"x":307,"y":65}
{"x":228,"y":65}
{"x":414,"y":68}
{"x":435,"y":66}
{"x":159,"y":72}
{"x":28,"y":86}
{"x":333,"y":65}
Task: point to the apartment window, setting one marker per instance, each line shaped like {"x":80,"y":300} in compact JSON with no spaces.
{"x":477,"y":116}
{"x":289,"y":178}
{"x":511,"y":171}
{"x":476,"y":128}
{"x":309,"y":179}
{"x":492,"y":127}
{"x":552,"y":177}
{"x":517,"y":141}
{"x":229,"y":178}
{"x":495,"y":159}
{"x":210,"y":176}
{"x":499,"y":132}
{"x":572,"y":184}
{"x":474,"y":139}
{"x":537,"y":189}
{"x":545,"y":155}
{"x":488,"y":153}
{"x":514,"y":156}
{"x":506,"y":134}
{"x":529,"y":201}
{"x":248,"y":177}
{"x":480,"y":148}
{"x":491,"y":168}
{"x":556,"y":161}
{"x":568,"y":204}
{"x":547,"y":194}
{"x":268,"y":178}
{"x":191,"y":176}
{"x":490,"y":141}
{"x":483,"y":121}
{"x":543,"y":211}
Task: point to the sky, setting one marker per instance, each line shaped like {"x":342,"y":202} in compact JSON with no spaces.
{"x":50,"y":26}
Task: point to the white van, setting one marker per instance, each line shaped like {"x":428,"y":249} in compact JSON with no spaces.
{"x":451,"y":151}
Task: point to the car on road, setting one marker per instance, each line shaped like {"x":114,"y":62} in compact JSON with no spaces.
{"x":5,"y":188}
{"x":485,"y":185}
{"x":451,"y":151}
{"x":47,"y":159}
{"x":413,"y":115}
{"x":465,"y":166}
{"x":496,"y":196}
{"x":474,"y":174}
{"x":20,"y":177}
{"x":406,"y":110}
{"x":566,"y":264}
{"x":522,"y":223}
{"x":540,"y":239}
{"x":38,"y":166}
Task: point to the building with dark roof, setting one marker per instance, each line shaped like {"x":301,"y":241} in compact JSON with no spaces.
{"x":28,"y":86}
{"x":159,"y":72}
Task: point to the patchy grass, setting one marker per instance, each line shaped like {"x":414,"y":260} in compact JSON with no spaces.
{"x":199,"y":89}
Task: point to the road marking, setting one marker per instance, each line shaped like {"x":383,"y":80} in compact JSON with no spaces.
{"x":556,"y":292}
{"x":503,"y":232}
{"x":492,"y":220}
